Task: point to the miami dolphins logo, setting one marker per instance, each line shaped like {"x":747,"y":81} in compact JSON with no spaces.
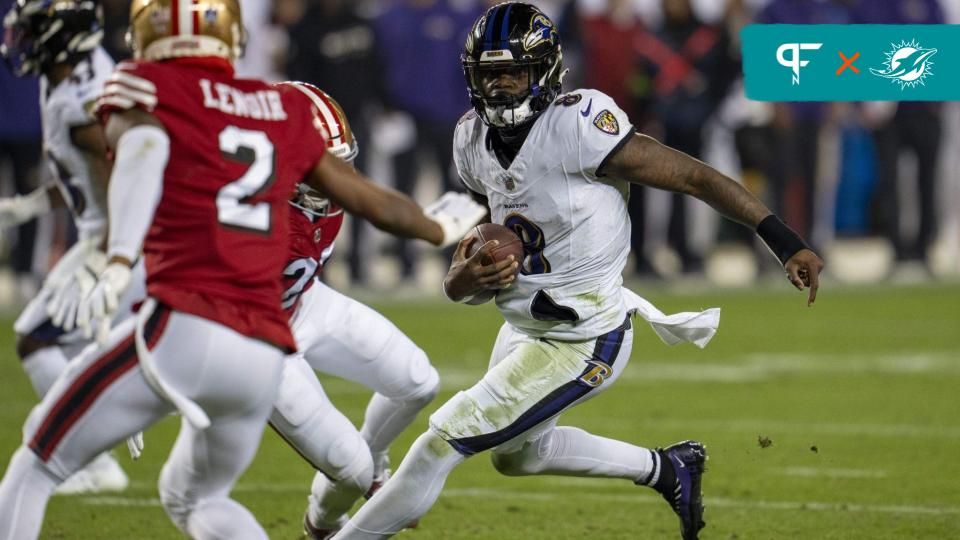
{"x":907,"y":64}
{"x":541,"y":30}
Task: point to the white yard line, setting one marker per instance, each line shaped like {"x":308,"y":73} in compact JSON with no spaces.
{"x":640,"y":497}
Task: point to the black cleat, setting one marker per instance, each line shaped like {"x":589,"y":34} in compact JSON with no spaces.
{"x":315,"y":533}
{"x":687,"y":459}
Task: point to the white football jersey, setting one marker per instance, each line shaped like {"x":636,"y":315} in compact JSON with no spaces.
{"x":575,"y":226}
{"x":69,"y":105}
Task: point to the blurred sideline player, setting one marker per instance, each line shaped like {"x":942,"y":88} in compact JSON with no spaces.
{"x":203,"y":170}
{"x":59,"y":40}
{"x":568,"y":334}
{"x":341,"y":336}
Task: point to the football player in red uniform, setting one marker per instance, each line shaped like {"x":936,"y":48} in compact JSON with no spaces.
{"x":342,"y":337}
{"x":204,"y":164}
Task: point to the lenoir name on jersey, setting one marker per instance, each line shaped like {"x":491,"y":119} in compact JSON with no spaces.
{"x":260,"y":105}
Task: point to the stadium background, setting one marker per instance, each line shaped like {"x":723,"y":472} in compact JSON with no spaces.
{"x":855,"y":396}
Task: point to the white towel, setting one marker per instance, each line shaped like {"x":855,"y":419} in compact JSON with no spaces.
{"x":689,"y":326}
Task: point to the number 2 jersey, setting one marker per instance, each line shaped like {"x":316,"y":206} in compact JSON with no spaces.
{"x":219,"y":239}
{"x":574,"y":225}
{"x":311,"y":244}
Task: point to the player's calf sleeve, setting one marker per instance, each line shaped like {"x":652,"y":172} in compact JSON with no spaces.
{"x":409,"y":494}
{"x":43,"y":366}
{"x":210,"y":518}
{"x":24,"y":492}
{"x":571,"y":451}
{"x":223,"y":519}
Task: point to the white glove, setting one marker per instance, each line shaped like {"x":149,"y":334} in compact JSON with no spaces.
{"x":67,"y":294}
{"x":97,"y":309}
{"x":135,"y":445}
{"x":23,"y":208}
{"x":456,"y":213}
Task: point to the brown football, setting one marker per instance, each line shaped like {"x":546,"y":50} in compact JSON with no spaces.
{"x":510,"y":243}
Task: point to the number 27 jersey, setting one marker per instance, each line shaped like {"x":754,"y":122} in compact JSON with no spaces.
{"x":218,"y":241}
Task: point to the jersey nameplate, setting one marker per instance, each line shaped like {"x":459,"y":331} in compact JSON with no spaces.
{"x":259,"y":105}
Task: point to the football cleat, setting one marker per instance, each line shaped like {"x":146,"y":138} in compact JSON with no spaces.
{"x":102,"y":475}
{"x":378,"y":483}
{"x":688,"y":460}
{"x":316,"y":533}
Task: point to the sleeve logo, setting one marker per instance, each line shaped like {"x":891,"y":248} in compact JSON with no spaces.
{"x":607,"y":122}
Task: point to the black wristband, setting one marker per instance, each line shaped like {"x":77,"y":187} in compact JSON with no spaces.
{"x":782,"y":241}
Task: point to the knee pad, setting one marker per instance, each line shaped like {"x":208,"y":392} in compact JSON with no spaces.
{"x":523,"y":460}
{"x":348,"y":462}
{"x":407,"y":374}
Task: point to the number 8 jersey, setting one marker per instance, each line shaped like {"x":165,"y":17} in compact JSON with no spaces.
{"x":218,"y":242}
{"x":574,"y":226}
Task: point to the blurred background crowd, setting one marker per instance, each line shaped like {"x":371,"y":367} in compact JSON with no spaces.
{"x":875,"y":186}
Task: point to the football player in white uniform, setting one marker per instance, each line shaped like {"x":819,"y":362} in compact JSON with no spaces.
{"x":59,"y":40}
{"x":556,"y":169}
{"x":342,"y":337}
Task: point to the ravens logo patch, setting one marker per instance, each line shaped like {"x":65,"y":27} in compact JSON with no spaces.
{"x":607,"y":122}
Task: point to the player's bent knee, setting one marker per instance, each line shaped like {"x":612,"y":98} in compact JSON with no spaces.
{"x":514,"y":464}
{"x":428,"y":389}
{"x":349,"y":463}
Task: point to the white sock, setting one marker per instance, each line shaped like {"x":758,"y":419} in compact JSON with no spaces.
{"x":221,"y":519}
{"x":24,"y":492}
{"x":43,"y":366}
{"x":383,"y":422}
{"x":571,"y":451}
{"x":409,"y":494}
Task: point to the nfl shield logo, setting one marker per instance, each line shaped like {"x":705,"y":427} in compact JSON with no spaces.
{"x":508,"y":182}
{"x":317,"y":234}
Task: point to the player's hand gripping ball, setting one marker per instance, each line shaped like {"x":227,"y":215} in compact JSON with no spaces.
{"x":510,"y":244}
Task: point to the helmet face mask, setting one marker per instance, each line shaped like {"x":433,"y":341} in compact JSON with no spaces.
{"x":332,"y":122}
{"x":513,"y":64}
{"x":39,"y":34}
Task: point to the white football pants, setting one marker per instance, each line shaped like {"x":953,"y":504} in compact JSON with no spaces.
{"x":103,"y":397}
{"x":340,"y":336}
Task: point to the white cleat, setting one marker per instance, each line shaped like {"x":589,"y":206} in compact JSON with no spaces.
{"x":102,"y":475}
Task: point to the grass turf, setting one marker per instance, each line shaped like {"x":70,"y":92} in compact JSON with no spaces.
{"x":857,"y":398}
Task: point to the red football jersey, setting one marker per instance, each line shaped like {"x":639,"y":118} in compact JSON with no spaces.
{"x":311,"y":244}
{"x":218,"y":242}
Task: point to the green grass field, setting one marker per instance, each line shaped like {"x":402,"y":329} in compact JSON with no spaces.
{"x":859,"y":397}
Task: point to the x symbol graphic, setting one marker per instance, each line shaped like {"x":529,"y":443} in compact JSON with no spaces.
{"x":848,"y":62}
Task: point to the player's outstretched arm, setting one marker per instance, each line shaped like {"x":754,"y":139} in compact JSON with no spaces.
{"x":442,"y":223}
{"x":643,"y":160}
{"x":142,"y":149}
